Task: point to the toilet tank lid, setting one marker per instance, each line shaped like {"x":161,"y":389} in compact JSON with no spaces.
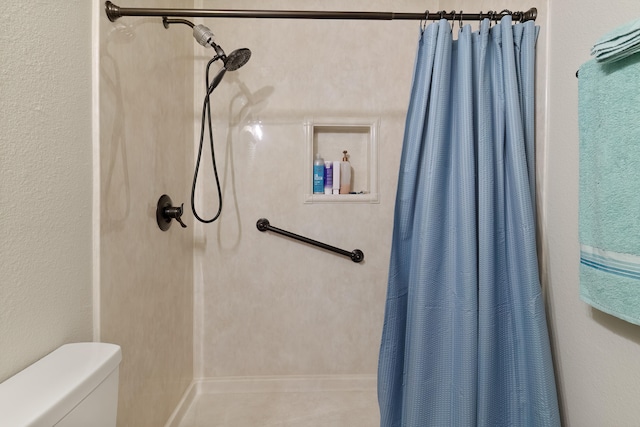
{"x":46,"y":391}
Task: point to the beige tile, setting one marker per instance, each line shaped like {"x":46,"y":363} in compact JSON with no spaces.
{"x":146,"y":276}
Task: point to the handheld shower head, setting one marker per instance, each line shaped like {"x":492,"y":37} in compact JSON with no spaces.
{"x":216,"y":80}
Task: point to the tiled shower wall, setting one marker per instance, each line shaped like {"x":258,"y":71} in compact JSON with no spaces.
{"x":268,"y":305}
{"x":146,"y":147}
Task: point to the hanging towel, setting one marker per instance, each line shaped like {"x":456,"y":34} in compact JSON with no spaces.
{"x":609,"y":122}
{"x":619,"y":43}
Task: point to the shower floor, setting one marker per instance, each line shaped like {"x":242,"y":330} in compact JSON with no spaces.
{"x":344,"y":402}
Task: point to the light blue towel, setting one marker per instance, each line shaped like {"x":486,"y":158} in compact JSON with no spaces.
{"x":609,"y":121}
{"x":619,"y":43}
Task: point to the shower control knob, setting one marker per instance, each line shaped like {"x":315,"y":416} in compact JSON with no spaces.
{"x":175,"y":212}
{"x":165,"y":212}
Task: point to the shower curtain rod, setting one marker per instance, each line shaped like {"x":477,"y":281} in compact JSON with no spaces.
{"x":114,"y":12}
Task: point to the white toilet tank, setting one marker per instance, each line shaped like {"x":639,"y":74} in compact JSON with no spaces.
{"x":75,"y":386}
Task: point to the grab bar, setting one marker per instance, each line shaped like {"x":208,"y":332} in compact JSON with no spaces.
{"x":356,"y":255}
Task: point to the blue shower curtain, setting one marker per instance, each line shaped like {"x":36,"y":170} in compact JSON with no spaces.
{"x":465,"y":339}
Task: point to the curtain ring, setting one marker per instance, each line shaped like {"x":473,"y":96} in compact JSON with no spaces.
{"x":460,"y":19}
{"x":453,"y":17}
{"x":505,"y":12}
{"x":442,"y":12}
{"x":423,"y":21}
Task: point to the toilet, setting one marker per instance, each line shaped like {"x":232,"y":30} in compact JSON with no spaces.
{"x":74,"y":386}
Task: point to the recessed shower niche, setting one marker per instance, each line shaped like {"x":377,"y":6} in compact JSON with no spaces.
{"x":330,"y":138}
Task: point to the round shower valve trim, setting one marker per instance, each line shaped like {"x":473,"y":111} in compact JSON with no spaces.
{"x":165,"y":212}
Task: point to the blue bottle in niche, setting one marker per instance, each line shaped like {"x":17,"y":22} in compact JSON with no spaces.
{"x":318,"y":175}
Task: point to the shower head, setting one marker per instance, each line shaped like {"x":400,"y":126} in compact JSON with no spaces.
{"x":236,"y":59}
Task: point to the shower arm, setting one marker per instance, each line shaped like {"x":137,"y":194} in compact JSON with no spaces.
{"x":166,"y":21}
{"x":114,"y":12}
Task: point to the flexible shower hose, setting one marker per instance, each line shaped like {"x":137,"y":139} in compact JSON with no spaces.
{"x":206,"y":117}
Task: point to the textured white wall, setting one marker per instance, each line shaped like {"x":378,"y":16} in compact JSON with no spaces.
{"x":597,"y":355}
{"x":45,"y":179}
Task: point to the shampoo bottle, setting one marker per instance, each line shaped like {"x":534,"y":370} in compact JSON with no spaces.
{"x":318,"y":175}
{"x":336,"y":177}
{"x":345,"y":174}
{"x":328,"y":177}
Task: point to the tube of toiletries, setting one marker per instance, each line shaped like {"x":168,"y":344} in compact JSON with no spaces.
{"x":336,"y":177}
{"x":345,"y":174}
{"x":328,"y":177}
{"x":318,"y":175}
